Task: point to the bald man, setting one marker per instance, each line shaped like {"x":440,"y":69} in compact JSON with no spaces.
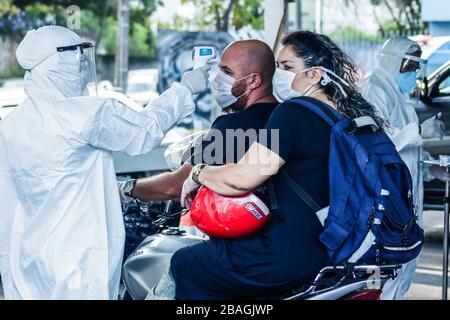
{"x":243,"y":88}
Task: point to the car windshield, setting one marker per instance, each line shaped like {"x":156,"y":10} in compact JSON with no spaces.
{"x":438,"y":58}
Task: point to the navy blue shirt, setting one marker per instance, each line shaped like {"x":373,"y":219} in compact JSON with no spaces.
{"x":224,"y":134}
{"x":287,"y":251}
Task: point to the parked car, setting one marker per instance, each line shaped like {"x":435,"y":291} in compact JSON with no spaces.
{"x":11,"y":94}
{"x":106,"y":89}
{"x":434,"y":98}
{"x":436,"y":50}
{"x":141,"y":85}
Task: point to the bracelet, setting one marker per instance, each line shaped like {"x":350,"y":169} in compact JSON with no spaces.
{"x":196,"y":172}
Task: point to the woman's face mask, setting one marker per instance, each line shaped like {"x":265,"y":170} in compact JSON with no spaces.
{"x":282,"y":84}
{"x":222,"y":87}
{"x":285,"y":81}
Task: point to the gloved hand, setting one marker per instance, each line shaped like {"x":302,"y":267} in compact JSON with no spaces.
{"x":432,"y":128}
{"x":123,"y":198}
{"x":188,"y":192}
{"x":439,"y":173}
{"x":196,"y":80}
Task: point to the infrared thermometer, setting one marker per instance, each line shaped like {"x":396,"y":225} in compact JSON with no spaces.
{"x":202,"y":54}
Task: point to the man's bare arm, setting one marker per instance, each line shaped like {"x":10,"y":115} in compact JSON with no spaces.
{"x":162,"y":187}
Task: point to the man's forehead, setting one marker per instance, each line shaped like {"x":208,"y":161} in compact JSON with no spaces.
{"x":235,"y":51}
{"x":232,"y":58}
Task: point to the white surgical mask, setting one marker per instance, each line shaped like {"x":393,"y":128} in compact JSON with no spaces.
{"x":282,"y":84}
{"x":283,"y":79}
{"x":221,"y":89}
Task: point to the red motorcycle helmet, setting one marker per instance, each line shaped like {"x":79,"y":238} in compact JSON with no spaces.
{"x":228,"y":217}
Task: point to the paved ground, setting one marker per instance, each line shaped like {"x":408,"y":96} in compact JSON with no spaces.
{"x":428,"y":278}
{"x":427,"y":283}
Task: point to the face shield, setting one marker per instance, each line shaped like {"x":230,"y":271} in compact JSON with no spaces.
{"x":88,"y":75}
{"x":413,"y":63}
{"x":411,"y":73}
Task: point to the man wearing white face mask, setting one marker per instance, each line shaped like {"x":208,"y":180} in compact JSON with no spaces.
{"x":243,"y":88}
{"x":61,"y":224}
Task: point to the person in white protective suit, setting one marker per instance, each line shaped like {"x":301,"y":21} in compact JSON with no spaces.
{"x":61,"y":228}
{"x":390,"y":89}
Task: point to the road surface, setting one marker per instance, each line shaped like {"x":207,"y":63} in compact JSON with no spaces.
{"x":428,"y":277}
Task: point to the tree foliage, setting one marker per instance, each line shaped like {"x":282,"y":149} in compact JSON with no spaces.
{"x":98,"y":21}
{"x":404,"y":15}
{"x":222,"y":14}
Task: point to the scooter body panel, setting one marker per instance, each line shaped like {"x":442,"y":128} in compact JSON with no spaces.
{"x":150,"y":260}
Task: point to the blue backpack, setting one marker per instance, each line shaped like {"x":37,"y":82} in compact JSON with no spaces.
{"x":371,"y":217}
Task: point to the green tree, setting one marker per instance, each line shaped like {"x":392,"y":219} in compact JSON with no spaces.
{"x":225,"y":13}
{"x":5,"y":6}
{"x":98,"y":21}
{"x":404,"y":15}
{"x":345,"y":33}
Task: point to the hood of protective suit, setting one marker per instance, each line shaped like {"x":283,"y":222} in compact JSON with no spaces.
{"x":50,"y":72}
{"x":392,"y":51}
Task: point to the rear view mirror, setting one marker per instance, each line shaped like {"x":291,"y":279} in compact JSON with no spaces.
{"x":423,"y":87}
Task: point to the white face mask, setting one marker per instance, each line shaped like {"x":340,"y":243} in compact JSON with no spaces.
{"x":221,"y":89}
{"x":283,"y":79}
{"x":282,"y":84}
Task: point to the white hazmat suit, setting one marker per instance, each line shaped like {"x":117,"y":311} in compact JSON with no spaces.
{"x":61,"y":227}
{"x":381,"y":89}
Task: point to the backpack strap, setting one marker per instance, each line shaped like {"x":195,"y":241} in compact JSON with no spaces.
{"x":272,"y":194}
{"x":300,"y":192}
{"x":328,"y":114}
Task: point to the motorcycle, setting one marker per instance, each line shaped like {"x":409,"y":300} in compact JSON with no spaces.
{"x":153,"y":236}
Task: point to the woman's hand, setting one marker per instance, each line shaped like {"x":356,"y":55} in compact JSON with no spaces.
{"x":255,"y":167}
{"x":188,"y":192}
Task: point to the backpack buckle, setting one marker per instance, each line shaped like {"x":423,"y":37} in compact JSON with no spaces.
{"x":365,"y":121}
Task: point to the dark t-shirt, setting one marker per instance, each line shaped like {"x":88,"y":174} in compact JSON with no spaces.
{"x":287,"y":250}
{"x":231,"y":135}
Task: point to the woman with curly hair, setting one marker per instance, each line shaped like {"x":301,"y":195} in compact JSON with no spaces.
{"x":287,"y":251}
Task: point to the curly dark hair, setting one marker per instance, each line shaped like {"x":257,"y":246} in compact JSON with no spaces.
{"x":319,"y":50}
